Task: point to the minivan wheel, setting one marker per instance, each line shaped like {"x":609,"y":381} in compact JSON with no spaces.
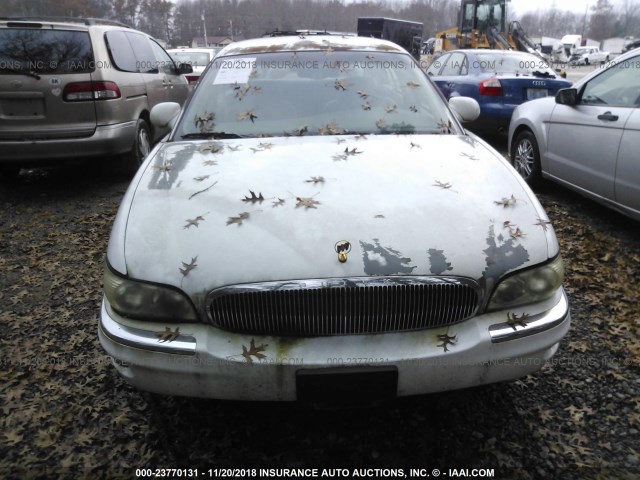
{"x":141,"y":147}
{"x":525,"y":157}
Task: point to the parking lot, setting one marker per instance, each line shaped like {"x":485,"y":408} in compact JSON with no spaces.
{"x":66,"y":413}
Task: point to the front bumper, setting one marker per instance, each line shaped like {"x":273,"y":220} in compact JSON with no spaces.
{"x":202,"y":361}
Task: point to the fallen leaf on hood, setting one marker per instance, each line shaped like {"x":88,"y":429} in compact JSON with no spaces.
{"x":239,"y":219}
{"x":254,"y":198}
{"x":306,"y":202}
{"x":188,"y":266}
{"x":506,"y":202}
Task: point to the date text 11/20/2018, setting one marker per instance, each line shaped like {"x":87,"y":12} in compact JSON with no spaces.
{"x":312,"y":473}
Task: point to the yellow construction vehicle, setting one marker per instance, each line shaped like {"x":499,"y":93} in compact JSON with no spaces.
{"x":482,"y":25}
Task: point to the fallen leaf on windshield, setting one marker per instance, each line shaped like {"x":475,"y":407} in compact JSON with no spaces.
{"x":340,"y":84}
{"x":445,"y":127}
{"x":249,"y":114}
{"x":330,"y":128}
{"x":204,"y":121}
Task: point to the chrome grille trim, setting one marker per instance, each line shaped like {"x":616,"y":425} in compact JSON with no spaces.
{"x":343,"y":306}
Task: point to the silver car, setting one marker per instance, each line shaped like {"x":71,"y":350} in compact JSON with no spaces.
{"x":76,"y":90}
{"x":587,"y":138}
{"x":198,"y":58}
{"x":318,"y":226}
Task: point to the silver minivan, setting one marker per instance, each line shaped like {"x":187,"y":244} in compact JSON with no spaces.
{"x":80,"y":89}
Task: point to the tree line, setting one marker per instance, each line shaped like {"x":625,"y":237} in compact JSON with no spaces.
{"x":179,"y":22}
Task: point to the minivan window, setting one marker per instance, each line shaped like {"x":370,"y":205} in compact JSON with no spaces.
{"x":147,"y":62}
{"x":131,"y":52}
{"x":164,"y":60}
{"x":36,"y":51}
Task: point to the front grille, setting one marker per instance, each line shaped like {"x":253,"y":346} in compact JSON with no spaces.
{"x":343,"y":306}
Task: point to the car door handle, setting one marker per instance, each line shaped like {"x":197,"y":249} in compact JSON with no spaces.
{"x":608,"y":116}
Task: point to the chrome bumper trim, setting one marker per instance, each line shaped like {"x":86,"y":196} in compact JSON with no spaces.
{"x":183,"y":344}
{"x":503,"y":332}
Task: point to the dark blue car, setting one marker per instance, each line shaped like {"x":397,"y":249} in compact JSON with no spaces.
{"x":499,"y":80}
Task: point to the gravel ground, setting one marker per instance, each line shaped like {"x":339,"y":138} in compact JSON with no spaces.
{"x":66,"y":413}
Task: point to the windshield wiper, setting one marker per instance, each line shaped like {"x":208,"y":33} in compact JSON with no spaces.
{"x":28,"y":73}
{"x":211,"y":135}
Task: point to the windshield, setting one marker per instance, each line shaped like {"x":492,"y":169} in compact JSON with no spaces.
{"x":312,"y":93}
{"x":515,"y":63}
{"x":195,"y":59}
{"x":45,"y":51}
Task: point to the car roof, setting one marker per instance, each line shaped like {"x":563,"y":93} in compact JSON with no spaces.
{"x":195,"y":50}
{"x":310,"y":43}
{"x":62,"y":21}
{"x":476,"y":51}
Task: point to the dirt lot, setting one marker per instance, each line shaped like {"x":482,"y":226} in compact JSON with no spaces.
{"x":66,"y":414}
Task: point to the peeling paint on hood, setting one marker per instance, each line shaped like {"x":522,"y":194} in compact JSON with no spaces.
{"x":211,"y":213}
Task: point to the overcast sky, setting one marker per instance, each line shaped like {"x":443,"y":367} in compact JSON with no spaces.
{"x":521,"y":6}
{"x":577,"y":6}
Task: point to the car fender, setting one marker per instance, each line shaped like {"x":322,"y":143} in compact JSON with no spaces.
{"x":535,"y":116}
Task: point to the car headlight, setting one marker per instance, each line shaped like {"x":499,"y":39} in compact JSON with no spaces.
{"x":148,"y":301}
{"x":527,"y":287}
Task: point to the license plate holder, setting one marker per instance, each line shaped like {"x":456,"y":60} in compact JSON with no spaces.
{"x":533,"y":93}
{"x":22,"y":107}
{"x":347,"y":385}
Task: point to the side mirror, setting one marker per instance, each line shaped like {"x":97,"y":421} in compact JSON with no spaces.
{"x":466,"y":109}
{"x":567,"y":96}
{"x":184,"y":68}
{"x":164,"y":114}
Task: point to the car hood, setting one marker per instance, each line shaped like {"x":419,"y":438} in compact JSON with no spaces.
{"x":212,"y":213}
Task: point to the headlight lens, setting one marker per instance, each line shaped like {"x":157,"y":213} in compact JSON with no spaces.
{"x":528,"y":287}
{"x":149,"y":301}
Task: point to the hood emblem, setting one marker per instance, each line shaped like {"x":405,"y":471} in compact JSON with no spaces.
{"x":342,"y":248}
{"x":16,"y":83}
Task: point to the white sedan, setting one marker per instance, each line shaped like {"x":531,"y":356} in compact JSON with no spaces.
{"x":587,"y":138}
{"x":319,"y":226}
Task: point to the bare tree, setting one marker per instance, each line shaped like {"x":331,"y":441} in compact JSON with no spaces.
{"x":601,"y":21}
